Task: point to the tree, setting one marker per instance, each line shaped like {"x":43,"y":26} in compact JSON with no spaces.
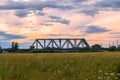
{"x":32,"y":47}
{"x":112,"y":48}
{"x":0,"y":50}
{"x":96,"y":47}
{"x":118,"y":48}
{"x":15,"y":45}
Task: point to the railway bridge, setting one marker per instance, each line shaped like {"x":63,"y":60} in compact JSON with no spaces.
{"x":61,"y":44}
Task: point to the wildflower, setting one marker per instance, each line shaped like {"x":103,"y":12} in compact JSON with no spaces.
{"x":106,"y":73}
{"x":112,"y":74}
{"x":118,"y":74}
{"x":100,"y":71}
{"x":116,"y":77}
{"x":108,"y":77}
{"x":99,"y":77}
{"x":59,"y":71}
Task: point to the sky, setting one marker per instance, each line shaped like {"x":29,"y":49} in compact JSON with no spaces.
{"x":23,"y":21}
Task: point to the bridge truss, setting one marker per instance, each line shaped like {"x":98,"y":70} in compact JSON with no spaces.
{"x":62,"y":43}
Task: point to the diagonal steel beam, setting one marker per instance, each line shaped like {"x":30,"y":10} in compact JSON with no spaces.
{"x":58,"y":46}
{"x":64,"y":43}
{"x":40,"y":43}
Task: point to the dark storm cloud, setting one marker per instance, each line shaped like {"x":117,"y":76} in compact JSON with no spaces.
{"x":11,"y":36}
{"x":95,"y":29}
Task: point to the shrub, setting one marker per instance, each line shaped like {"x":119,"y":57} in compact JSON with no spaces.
{"x":118,"y":48}
{"x":118,"y":68}
{"x":96,"y":47}
{"x":112,"y":48}
{"x":0,"y":50}
{"x":41,"y":51}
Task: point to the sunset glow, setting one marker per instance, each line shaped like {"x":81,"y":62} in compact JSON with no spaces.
{"x":25,"y":20}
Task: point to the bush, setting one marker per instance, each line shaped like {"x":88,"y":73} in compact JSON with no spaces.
{"x":112,"y":48}
{"x":118,"y":48}
{"x":41,"y":51}
{"x":118,"y":68}
{"x":32,"y":47}
{"x":96,"y":48}
{"x":0,"y":50}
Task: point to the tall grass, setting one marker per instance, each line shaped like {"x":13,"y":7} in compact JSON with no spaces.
{"x":61,"y":66}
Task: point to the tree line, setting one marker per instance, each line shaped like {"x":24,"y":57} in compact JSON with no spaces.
{"x":14,"y":46}
{"x":94,"y":48}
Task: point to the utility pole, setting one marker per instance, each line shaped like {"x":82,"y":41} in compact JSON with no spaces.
{"x":113,"y":43}
{"x":109,"y":45}
{"x":117,"y":43}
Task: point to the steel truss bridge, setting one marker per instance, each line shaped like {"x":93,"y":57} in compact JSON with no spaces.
{"x":61,"y":44}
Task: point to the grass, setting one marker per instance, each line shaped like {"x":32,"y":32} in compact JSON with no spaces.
{"x":61,"y":66}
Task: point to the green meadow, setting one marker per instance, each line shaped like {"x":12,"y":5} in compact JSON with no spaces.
{"x":60,"y":66}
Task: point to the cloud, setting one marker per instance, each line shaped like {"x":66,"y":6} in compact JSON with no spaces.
{"x":17,"y":23}
{"x":21,"y":14}
{"x":14,"y":6}
{"x":103,"y":5}
{"x":55,"y":17}
{"x":62,"y":21}
{"x":33,"y":5}
{"x":40,"y":13}
{"x":59,"y":35}
{"x":46,"y":24}
{"x":88,"y":9}
{"x":95,"y":29}
{"x":90,"y":12}
{"x":113,"y":4}
{"x":25,"y":13}
{"x":100,"y":5}
{"x":58,"y":19}
{"x":76,"y":1}
{"x":116,"y":36}
{"x":115,"y":33}
{"x":11,"y":36}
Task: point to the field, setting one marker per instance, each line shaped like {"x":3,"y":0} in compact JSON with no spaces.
{"x":60,"y":66}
